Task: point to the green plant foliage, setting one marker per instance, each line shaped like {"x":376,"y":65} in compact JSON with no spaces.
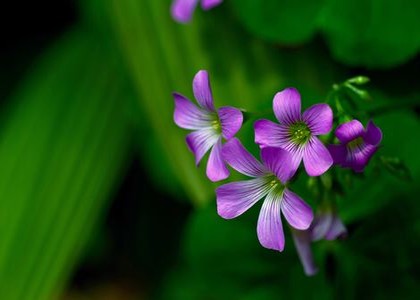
{"x":373,"y":33}
{"x":287,"y":21}
{"x":64,"y":143}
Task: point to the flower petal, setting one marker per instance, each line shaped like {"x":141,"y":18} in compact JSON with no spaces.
{"x":320,"y":226}
{"x":373,"y":134}
{"x":302,"y":242}
{"x":189,"y":116}
{"x":216,"y":168}
{"x":286,"y":106}
{"x":231,"y":120}
{"x":270,"y":134}
{"x":241,"y":160}
{"x":234,"y":198}
{"x":202,"y":90}
{"x":359,"y":157}
{"x":200,"y":141}
{"x":349,"y":131}
{"x":209,"y":4}
{"x":338,"y":153}
{"x":297,"y":213}
{"x":182,"y":10}
{"x":269,"y":228}
{"x":336,"y":230}
{"x":319,"y":118}
{"x":279,"y":162}
{"x":316,"y":157}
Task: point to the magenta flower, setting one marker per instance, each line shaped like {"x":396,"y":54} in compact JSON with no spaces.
{"x":182,"y":10}
{"x":209,"y":125}
{"x":269,"y":181}
{"x":326,"y":225}
{"x":357,"y":146}
{"x":297,"y":133}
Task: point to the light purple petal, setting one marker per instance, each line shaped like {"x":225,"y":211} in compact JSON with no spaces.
{"x":270,"y":134}
{"x":336,"y":230}
{"x":373,"y":134}
{"x":241,"y":160}
{"x":321,"y":225}
{"x":234,"y":198}
{"x":231,"y":120}
{"x":189,"y":116}
{"x":319,"y":118}
{"x":209,"y":4}
{"x":303,"y":247}
{"x":202,"y":90}
{"x":216,"y":168}
{"x":269,"y":228}
{"x":316,"y":157}
{"x":338,"y":153}
{"x":279,"y":162}
{"x":349,"y":131}
{"x":287,"y":106}
{"x":182,"y":10}
{"x":297,"y":213}
{"x":296,"y":154}
{"x":200,"y":141}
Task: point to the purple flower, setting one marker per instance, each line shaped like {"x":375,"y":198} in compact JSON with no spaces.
{"x":357,"y":145}
{"x":182,"y":10}
{"x":297,"y":132}
{"x":326,"y":225}
{"x":209,"y":125}
{"x":269,"y":181}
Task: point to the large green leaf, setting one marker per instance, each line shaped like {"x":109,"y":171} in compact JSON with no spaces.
{"x":372,"y":33}
{"x":287,"y":21}
{"x":64,"y":143}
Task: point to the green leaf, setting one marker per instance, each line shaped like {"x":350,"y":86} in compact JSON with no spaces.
{"x":372,"y":33}
{"x":286,"y":21}
{"x":64,"y":144}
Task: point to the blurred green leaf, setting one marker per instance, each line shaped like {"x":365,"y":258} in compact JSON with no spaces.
{"x":373,"y":33}
{"x":286,"y":21}
{"x":63,"y":146}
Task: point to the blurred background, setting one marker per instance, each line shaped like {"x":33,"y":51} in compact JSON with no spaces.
{"x":99,"y":196}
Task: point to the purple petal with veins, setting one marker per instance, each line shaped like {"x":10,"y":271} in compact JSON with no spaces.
{"x":231,"y":121}
{"x":216,"y":168}
{"x":279,"y":162}
{"x":189,"y":116}
{"x":349,"y":131}
{"x":287,"y":106}
{"x":202,"y":90}
{"x":200,"y":141}
{"x":319,"y":118}
{"x":241,"y":160}
{"x":316,"y":157}
{"x":234,"y":198}
{"x":373,"y":135}
{"x":269,"y":228}
{"x":296,"y":211}
{"x":270,"y":134}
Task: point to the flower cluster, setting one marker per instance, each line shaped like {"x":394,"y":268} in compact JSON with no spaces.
{"x":283,"y":146}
